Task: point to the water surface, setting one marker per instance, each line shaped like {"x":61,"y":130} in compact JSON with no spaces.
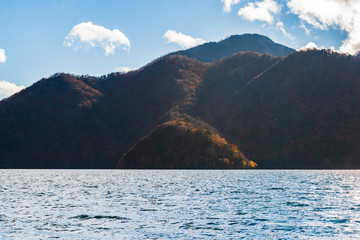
{"x":179,"y":204}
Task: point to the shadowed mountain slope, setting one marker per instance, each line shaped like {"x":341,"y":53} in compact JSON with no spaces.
{"x":85,"y":122}
{"x":302,"y":112}
{"x":297,"y":111}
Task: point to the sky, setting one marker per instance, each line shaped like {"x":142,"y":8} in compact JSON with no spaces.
{"x":39,"y":38}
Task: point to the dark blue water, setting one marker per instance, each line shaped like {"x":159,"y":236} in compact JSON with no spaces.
{"x":128,"y":204}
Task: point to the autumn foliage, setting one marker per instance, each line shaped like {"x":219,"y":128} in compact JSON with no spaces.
{"x":184,"y":143}
{"x":297,"y":111}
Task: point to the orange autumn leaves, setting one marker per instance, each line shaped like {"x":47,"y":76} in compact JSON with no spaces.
{"x":185,"y":143}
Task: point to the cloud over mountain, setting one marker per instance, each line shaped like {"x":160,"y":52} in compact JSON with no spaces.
{"x":124,"y":69}
{"x":323,"y":14}
{"x":7,"y":89}
{"x":310,"y":46}
{"x":182,"y":40}
{"x":91,"y":35}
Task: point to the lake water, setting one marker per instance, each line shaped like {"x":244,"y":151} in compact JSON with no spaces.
{"x":179,"y":204}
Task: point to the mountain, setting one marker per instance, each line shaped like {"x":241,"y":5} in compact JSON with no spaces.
{"x":185,"y":143}
{"x":302,"y":112}
{"x":69,"y":121}
{"x":214,"y":51}
{"x":40,"y":124}
{"x":246,"y":110}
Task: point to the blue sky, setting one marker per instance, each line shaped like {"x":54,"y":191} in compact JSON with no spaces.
{"x":96,"y":37}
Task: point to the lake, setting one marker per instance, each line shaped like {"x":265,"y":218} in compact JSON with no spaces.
{"x":179,"y":204}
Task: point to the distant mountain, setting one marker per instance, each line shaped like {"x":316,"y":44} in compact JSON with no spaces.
{"x":214,"y":51}
{"x":297,"y":111}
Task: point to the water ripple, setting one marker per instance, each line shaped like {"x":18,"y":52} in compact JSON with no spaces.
{"x":167,"y":204}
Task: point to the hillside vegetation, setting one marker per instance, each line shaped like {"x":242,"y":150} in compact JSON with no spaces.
{"x":296,"y":111}
{"x":181,"y":144}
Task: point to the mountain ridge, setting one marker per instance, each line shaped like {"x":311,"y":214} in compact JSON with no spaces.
{"x":214,"y":51}
{"x":296,"y":111}
{"x":289,"y":118}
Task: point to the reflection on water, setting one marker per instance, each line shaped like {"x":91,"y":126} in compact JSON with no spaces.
{"x":165,"y":204}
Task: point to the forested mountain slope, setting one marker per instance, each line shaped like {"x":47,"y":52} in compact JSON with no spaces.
{"x":296,"y":111}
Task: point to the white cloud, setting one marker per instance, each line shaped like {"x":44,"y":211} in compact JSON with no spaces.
{"x":89,"y":34}
{"x":310,"y":46}
{"x":280,"y":27}
{"x":7,"y":89}
{"x":307,"y":31}
{"x":262,"y":11}
{"x":323,"y":14}
{"x":182,"y":40}
{"x":2,"y":56}
{"x":124,"y":69}
{"x":228,"y":3}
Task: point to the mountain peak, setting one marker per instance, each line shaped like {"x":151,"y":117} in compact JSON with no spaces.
{"x":214,"y":51}
{"x":298,"y":111}
{"x":248,"y":36}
